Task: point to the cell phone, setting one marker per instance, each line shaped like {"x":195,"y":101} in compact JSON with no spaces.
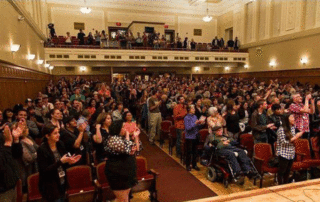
{"x":69,"y":155}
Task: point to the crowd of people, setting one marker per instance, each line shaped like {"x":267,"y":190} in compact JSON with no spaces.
{"x":74,"y":117}
{"x":127,"y":40}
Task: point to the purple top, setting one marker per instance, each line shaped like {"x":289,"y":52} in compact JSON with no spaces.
{"x":191,"y":128}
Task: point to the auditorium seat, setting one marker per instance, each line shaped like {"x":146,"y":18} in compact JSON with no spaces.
{"x":203,"y":133}
{"x":247,"y":142}
{"x":33,"y":188}
{"x":146,"y":179}
{"x":105,"y":192}
{"x":315,"y":147}
{"x":19,"y":191}
{"x":164,"y":131}
{"x":304,"y":154}
{"x":262,"y":155}
{"x":172,"y":138}
{"x":80,"y":182}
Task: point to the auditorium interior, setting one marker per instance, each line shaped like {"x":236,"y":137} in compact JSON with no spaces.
{"x":260,"y":48}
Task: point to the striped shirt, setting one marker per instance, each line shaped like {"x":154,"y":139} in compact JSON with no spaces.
{"x":285,"y":148}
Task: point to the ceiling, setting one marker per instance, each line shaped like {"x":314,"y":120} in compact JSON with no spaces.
{"x":216,"y":7}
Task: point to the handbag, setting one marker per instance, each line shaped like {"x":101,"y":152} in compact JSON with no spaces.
{"x":273,"y":162}
{"x":116,"y":145}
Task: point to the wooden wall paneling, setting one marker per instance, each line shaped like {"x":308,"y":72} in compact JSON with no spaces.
{"x":18,"y":83}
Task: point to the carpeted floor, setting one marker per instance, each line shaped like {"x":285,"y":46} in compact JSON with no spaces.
{"x":174,"y":182}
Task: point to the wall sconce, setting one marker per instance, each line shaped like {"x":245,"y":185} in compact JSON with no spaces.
{"x":46,"y":65}
{"x":31,"y":56}
{"x":15,"y":47}
{"x":40,"y":62}
{"x":304,"y":60}
{"x":83,"y":68}
{"x":272,"y":63}
{"x":246,"y":66}
{"x":197,"y":69}
{"x":51,"y":67}
{"x":227,"y":68}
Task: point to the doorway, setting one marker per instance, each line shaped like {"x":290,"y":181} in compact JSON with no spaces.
{"x":228,"y":34}
{"x":169,"y":34}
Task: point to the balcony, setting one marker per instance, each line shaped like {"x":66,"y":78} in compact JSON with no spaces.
{"x":72,"y":55}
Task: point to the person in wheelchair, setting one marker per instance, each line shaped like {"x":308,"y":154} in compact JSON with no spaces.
{"x":239,"y":161}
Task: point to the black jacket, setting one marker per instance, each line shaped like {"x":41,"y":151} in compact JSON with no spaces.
{"x":49,"y":181}
{"x":9,"y":169}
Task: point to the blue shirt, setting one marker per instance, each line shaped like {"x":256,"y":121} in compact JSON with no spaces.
{"x":190,"y":127}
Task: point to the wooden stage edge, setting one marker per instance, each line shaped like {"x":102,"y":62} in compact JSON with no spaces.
{"x":250,"y":195}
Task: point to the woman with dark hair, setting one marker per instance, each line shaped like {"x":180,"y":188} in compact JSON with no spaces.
{"x":191,"y":125}
{"x":121,"y":168}
{"x":232,"y":120}
{"x":8,"y":116}
{"x":52,"y":160}
{"x":101,"y":134}
{"x":286,"y":135}
{"x":117,"y":114}
{"x":132,"y":128}
{"x":92,"y":106}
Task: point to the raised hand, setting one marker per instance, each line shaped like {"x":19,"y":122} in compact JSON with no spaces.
{"x":7,"y":135}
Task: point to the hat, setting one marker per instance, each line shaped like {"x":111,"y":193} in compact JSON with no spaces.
{"x":44,"y":96}
{"x":216,"y":128}
{"x":28,"y":100}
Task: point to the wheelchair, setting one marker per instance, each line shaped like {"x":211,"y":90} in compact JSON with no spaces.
{"x":219,"y":169}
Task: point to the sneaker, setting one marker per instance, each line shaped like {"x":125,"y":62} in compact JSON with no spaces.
{"x":188,"y":168}
{"x":204,"y":162}
{"x":196,"y":168}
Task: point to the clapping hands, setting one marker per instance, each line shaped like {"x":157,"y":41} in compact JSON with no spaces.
{"x":70,"y":159}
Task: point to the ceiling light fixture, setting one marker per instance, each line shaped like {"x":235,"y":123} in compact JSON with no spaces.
{"x":227,"y":68}
{"x":15,"y":47}
{"x":46,"y":65}
{"x":31,"y":56}
{"x":83,"y":68}
{"x":197,"y":69}
{"x":51,"y":67}
{"x":85,"y":9}
{"x":246,"y":66}
{"x":207,"y":18}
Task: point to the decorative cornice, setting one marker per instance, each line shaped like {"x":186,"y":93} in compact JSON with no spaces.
{"x":17,"y":6}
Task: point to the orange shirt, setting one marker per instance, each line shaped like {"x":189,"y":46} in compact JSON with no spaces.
{"x":179,"y":112}
{"x":106,"y":92}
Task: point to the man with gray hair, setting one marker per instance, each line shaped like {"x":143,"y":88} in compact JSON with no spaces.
{"x":301,"y":113}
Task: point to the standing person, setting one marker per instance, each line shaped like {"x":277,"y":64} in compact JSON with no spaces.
{"x":90,"y":39}
{"x":155,"y":116}
{"x":193,"y":44}
{"x":10,"y":151}
{"x":221,"y":43}
{"x":52,"y":160}
{"x":72,"y":138}
{"x":179,"y":112}
{"x":215,"y":43}
{"x":236,"y":44}
{"x":103,"y":39}
{"x":132,"y":128}
{"x":185,"y":43}
{"x":259,"y":123}
{"x":81,"y":36}
{"x":191,"y":124}
{"x":286,"y":135}
{"x":145,"y":39}
{"x":101,"y":134}
{"x":301,"y":113}
{"x":232,"y":120}
{"x":121,"y":166}
{"x":68,"y":39}
{"x":97,"y":37}
{"x":139,"y":40}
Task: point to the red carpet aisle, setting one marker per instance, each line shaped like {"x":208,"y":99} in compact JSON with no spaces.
{"x":174,"y":183}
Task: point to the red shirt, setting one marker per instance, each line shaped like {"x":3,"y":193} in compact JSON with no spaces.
{"x":179,"y":112}
{"x":301,"y":119}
